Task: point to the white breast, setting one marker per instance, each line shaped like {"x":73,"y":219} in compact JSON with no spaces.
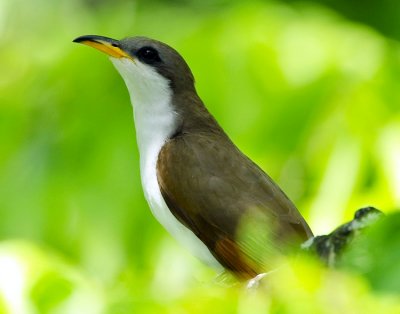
{"x":155,"y":122}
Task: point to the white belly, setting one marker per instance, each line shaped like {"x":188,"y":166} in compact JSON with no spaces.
{"x":155,"y":121}
{"x":162,"y":213}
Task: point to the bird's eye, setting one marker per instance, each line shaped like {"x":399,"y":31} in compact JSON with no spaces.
{"x":148,"y":55}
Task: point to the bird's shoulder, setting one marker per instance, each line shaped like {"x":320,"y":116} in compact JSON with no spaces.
{"x":227,"y":201}
{"x":209,"y":168}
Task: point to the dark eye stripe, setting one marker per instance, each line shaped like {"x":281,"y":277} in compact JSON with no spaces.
{"x":148,"y":55}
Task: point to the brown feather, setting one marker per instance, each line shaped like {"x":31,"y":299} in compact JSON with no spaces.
{"x":213,"y":189}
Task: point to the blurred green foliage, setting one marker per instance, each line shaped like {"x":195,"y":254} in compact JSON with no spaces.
{"x":311,"y":96}
{"x":375,"y":253}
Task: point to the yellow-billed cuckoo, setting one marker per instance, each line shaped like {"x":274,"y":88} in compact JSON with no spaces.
{"x":198,"y":184}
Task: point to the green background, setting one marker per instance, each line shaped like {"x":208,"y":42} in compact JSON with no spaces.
{"x":308,"y":90}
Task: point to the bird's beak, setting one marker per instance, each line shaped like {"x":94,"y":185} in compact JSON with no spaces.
{"x":107,"y":45}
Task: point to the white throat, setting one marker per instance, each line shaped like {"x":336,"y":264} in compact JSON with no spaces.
{"x":155,"y":121}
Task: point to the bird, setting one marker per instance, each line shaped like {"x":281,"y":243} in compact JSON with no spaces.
{"x":203,"y":190}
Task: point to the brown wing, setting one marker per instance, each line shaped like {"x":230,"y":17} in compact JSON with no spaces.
{"x":227,"y":201}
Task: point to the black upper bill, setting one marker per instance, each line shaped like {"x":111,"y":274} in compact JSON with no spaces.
{"x":104,"y":44}
{"x":96,"y":38}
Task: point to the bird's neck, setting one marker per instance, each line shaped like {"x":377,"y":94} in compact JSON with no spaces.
{"x":159,"y":118}
{"x":193,"y":116}
{"x":151,"y":97}
{"x":155,"y":121}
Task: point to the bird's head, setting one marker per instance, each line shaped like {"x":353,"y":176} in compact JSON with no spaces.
{"x":149,"y":67}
